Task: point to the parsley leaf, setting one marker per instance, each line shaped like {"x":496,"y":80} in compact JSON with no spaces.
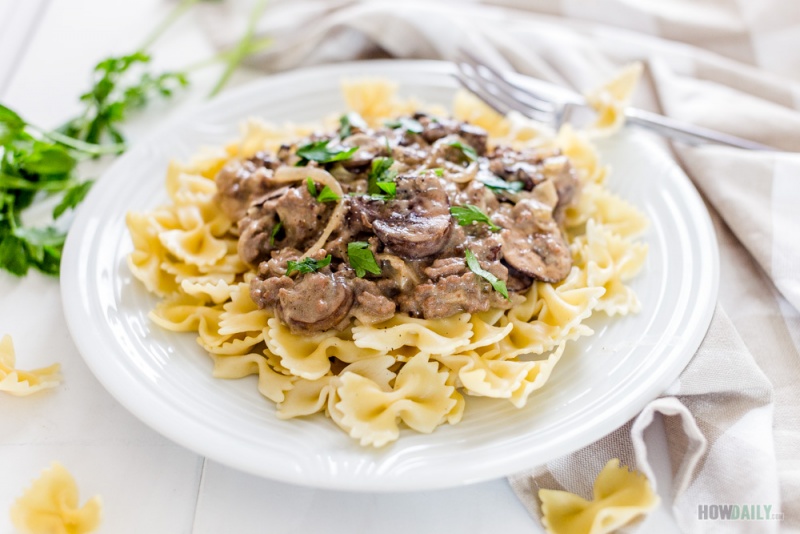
{"x":361,"y":259}
{"x":274,"y":233}
{"x":13,"y":255}
{"x":381,"y":173}
{"x":46,"y":158}
{"x":469,"y":214}
{"x":467,"y":150}
{"x":307,"y":265}
{"x":406,"y":123}
{"x":389,"y":188}
{"x":495,"y":183}
{"x":11,"y":125}
{"x":322,"y":152}
{"x":475,"y":267}
{"x":72,"y":197}
{"x":349,"y":121}
{"x":327,"y":195}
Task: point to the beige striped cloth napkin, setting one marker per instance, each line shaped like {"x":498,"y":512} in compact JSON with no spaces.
{"x":733,"y":417}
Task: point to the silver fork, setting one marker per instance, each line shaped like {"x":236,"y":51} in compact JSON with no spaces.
{"x":554,"y":105}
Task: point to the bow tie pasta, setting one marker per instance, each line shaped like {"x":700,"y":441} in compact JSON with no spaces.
{"x":22,"y":383}
{"x":50,"y":506}
{"x":620,"y":496}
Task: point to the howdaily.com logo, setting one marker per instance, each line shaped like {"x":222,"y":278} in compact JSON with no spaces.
{"x":737,"y":512}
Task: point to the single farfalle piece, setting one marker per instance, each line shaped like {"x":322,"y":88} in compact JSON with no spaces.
{"x":610,"y":99}
{"x":50,"y":506}
{"x":420,"y":398}
{"x":22,"y":383}
{"x":620,"y":496}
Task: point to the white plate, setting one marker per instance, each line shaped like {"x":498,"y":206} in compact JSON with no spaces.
{"x":165,"y":378}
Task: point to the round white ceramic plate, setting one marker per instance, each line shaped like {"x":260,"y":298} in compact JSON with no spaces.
{"x":165,"y":378}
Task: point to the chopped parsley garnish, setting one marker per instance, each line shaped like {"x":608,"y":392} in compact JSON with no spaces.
{"x":467,"y":150}
{"x":406,"y":123}
{"x":307,"y":265}
{"x":469,"y":214}
{"x":274,"y":233}
{"x":475,"y":267}
{"x":323,"y":152}
{"x":495,"y":183}
{"x":361,"y":259}
{"x":348,"y":121}
{"x":327,"y":195}
{"x":438,"y":171}
{"x":389,"y":188}
{"x":380,"y":180}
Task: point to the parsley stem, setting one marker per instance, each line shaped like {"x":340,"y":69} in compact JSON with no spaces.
{"x":171,"y":18}
{"x":254,"y":47}
{"x":88,"y":148}
{"x":240,"y":51}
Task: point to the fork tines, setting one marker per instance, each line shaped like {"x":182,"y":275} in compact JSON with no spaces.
{"x":498,"y":92}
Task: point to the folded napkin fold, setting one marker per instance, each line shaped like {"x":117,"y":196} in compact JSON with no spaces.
{"x":732,"y":417}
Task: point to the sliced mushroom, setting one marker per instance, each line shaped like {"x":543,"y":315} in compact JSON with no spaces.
{"x":416,"y":223}
{"x":315,"y":303}
{"x":369,"y":147}
{"x":535,"y":245}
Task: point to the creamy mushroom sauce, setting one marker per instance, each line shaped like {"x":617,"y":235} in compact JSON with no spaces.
{"x":419,"y":247}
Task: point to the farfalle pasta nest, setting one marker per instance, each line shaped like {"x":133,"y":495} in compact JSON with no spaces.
{"x":409,"y":362}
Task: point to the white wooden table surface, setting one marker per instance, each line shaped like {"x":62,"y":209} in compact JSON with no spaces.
{"x":149,"y":484}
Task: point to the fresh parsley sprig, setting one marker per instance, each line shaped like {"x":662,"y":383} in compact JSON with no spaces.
{"x":475,"y":267}
{"x":307,"y":265}
{"x":121,"y":85}
{"x":468,"y":214}
{"x":361,"y":259}
{"x":34,"y":163}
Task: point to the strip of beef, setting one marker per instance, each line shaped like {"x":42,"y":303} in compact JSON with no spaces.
{"x":241,"y":182}
{"x":302,"y":219}
{"x":534,"y":244}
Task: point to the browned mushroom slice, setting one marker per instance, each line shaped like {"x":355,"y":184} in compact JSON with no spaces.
{"x":535,"y":245}
{"x":317,"y":302}
{"x":416,"y":223}
{"x":369,"y":147}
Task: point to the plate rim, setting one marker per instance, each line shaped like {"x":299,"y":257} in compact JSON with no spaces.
{"x":70,"y":292}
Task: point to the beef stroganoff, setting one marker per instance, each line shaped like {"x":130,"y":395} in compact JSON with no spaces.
{"x":379,"y":267}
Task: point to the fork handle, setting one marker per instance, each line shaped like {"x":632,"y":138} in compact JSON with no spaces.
{"x":688,"y":133}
